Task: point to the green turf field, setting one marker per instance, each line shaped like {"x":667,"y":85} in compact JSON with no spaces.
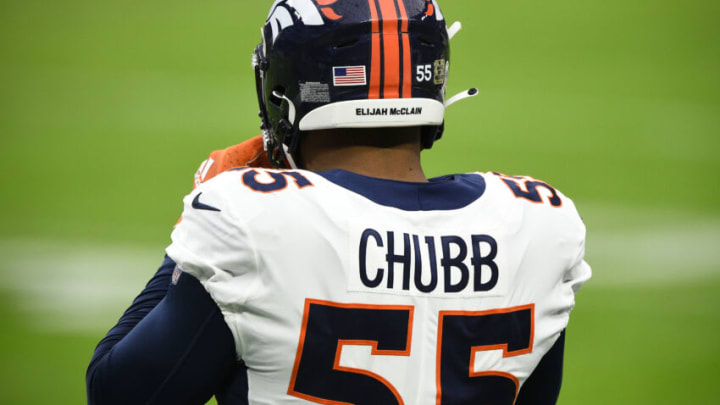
{"x":107,"y":108}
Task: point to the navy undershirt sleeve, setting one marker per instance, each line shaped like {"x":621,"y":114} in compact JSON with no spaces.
{"x":180,"y":352}
{"x":148,"y":299}
{"x":543,"y":385}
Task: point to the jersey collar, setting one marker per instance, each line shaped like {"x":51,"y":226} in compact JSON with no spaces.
{"x":443,"y":193}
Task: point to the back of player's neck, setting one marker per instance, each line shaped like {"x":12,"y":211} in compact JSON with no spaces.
{"x":386,"y":153}
{"x":401,"y":162}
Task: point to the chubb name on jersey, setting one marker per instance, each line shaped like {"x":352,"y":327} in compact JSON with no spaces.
{"x":403,"y":263}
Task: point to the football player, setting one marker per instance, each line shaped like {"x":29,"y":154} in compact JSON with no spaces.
{"x":344,"y":275}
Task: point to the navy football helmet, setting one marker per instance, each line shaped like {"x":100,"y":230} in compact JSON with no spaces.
{"x":326,"y":64}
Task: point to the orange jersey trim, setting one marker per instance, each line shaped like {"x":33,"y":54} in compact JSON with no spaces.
{"x":475,"y":349}
{"x":347,"y":342}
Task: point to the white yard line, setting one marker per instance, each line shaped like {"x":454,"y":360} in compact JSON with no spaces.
{"x":655,"y":256}
{"x":74,"y":286}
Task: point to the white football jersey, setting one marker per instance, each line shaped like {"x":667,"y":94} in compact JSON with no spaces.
{"x":339,"y":288}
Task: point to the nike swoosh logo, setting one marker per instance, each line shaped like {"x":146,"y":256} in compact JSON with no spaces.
{"x":200,"y":206}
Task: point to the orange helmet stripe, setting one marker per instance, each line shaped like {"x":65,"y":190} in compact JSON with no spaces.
{"x":376,"y":57}
{"x":391,"y":48}
{"x":391,"y":59}
{"x":407,"y":60}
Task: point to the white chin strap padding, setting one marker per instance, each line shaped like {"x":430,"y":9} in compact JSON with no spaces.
{"x":454,"y":29}
{"x":291,"y":112}
{"x":461,"y":96}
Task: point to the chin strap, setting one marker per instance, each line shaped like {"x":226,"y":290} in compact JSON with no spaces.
{"x":292,"y":113}
{"x":461,"y":96}
{"x":289,"y":158}
{"x":472,"y":92}
{"x":291,"y":106}
{"x":454,"y":29}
